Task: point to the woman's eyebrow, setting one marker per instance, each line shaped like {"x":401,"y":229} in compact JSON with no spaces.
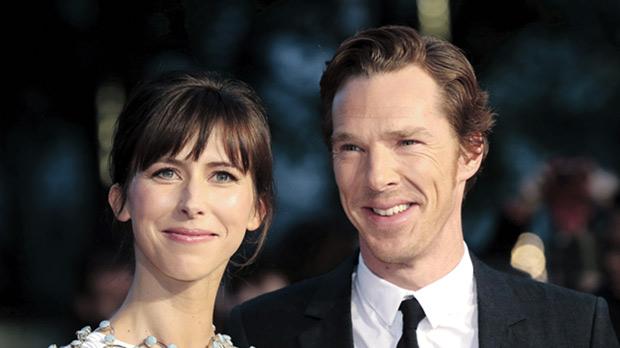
{"x":170,"y":160}
{"x":214,"y":162}
{"x":209,"y":164}
{"x":221,"y":164}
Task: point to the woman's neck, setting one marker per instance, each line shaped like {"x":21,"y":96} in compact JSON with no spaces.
{"x":174,"y":311}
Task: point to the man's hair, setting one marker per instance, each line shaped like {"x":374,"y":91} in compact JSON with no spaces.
{"x":392,"y":48}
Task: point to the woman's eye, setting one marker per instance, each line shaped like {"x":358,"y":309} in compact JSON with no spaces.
{"x":223,"y":177}
{"x":165,"y":173}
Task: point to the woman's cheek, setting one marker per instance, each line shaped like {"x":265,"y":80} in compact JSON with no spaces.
{"x":148,"y":200}
{"x":235,"y":208}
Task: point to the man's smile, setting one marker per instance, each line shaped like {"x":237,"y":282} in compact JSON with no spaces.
{"x":399,"y":208}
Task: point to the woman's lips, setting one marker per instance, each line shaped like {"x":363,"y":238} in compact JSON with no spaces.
{"x":184,"y":235}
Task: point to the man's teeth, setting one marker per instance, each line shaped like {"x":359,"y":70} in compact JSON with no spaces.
{"x":391,"y":211}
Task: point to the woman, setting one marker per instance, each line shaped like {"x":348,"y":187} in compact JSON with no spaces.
{"x":191,"y":163}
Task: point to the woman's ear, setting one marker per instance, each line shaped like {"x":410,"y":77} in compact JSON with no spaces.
{"x":258,"y":214}
{"x":118,"y":204}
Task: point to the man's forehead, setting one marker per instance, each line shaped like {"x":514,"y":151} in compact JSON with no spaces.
{"x":388,"y":119}
{"x":411,"y":81}
{"x":390,"y":128}
{"x":387,"y":111}
{"x":390,"y":125}
{"x":385,"y":106}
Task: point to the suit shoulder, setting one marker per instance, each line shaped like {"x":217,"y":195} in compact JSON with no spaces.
{"x":549,"y":295}
{"x":545,"y":311}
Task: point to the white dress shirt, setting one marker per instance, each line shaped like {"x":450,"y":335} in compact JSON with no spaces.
{"x":450,"y":304}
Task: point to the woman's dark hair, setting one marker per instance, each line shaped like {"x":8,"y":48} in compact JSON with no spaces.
{"x":163,"y":115}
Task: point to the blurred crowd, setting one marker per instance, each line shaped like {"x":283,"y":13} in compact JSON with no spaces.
{"x":563,"y":227}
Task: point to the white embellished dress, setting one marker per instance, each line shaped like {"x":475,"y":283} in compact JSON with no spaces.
{"x":87,"y":338}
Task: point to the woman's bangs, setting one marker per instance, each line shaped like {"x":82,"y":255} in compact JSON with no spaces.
{"x":192,"y":119}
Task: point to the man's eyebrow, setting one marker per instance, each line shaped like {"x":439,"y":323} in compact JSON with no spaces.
{"x":406,"y":133}
{"x":342,"y":137}
{"x":396,"y":134}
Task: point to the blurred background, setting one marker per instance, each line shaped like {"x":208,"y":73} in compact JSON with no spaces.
{"x":547,"y":202}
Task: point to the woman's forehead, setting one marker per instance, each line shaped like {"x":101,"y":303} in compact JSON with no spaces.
{"x":211,"y":147}
{"x":215,"y":146}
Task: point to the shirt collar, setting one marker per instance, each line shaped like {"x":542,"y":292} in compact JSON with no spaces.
{"x":443,"y":301}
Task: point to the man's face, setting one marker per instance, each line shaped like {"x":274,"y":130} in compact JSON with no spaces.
{"x":398,"y":165}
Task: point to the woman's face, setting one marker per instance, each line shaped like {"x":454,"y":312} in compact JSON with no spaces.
{"x":189,"y":217}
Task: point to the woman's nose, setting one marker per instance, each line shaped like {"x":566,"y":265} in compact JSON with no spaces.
{"x":192,"y":201}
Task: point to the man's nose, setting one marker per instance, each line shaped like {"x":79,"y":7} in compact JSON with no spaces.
{"x":381,"y":170}
{"x":193,"y":197}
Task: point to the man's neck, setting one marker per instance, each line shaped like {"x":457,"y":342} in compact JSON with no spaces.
{"x":420,"y":271}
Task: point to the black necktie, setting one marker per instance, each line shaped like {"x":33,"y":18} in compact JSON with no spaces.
{"x":412,"y":316}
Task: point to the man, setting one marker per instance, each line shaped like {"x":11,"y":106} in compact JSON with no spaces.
{"x":407,"y":125}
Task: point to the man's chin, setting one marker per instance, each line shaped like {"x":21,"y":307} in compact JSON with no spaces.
{"x":395,"y":260}
{"x":387,"y":254}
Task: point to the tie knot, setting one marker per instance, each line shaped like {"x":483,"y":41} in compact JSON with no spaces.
{"x":412,"y":313}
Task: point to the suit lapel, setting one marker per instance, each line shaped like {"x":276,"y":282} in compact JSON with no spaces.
{"x":330,"y":307}
{"x":500,"y":320}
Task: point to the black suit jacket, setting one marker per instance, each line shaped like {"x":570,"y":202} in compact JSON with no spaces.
{"x":513,"y":311}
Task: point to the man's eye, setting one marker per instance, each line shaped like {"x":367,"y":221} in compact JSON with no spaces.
{"x":350,"y":147}
{"x":165,"y":173}
{"x":408,"y":142}
{"x":223,"y":177}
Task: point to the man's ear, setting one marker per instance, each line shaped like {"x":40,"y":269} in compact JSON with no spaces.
{"x":257,"y":217}
{"x":470,"y":156}
{"x":115,"y":199}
